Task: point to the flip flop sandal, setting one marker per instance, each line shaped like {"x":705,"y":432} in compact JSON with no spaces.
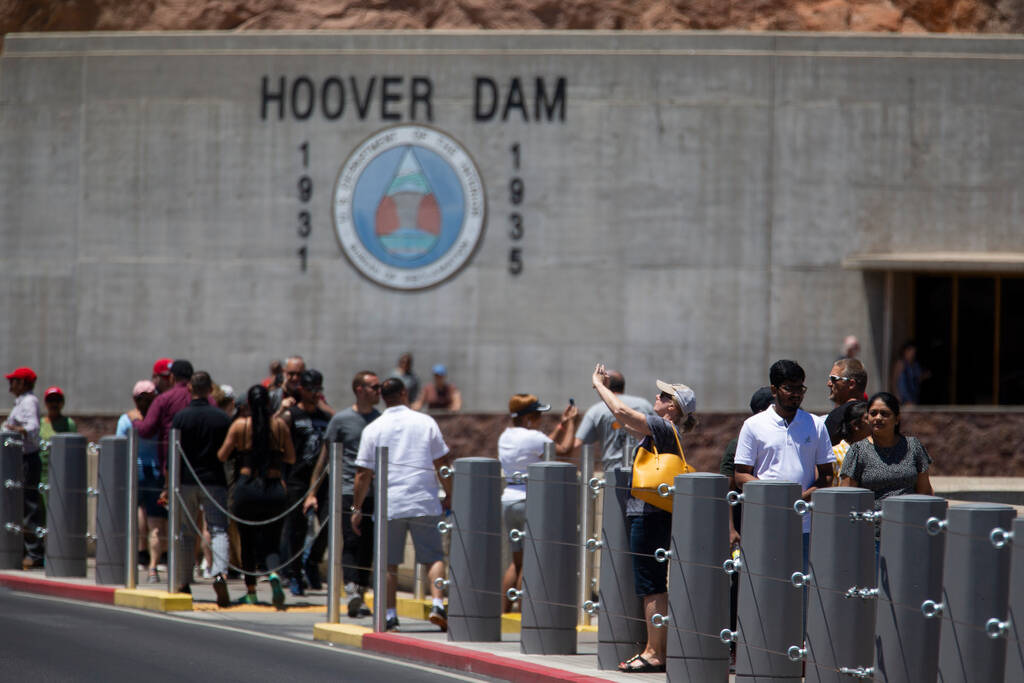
{"x":644,"y":668}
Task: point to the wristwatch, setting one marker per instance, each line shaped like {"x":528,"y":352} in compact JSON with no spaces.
{"x":353,"y":508}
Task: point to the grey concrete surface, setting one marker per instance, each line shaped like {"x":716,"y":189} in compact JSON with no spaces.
{"x":687,"y":220}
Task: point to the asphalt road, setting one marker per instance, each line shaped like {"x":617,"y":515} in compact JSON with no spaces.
{"x":46,"y":639}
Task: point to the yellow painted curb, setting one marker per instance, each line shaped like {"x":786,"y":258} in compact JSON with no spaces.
{"x":341,"y":634}
{"x":157,"y":601}
{"x":410,"y":608}
{"x":513,"y":623}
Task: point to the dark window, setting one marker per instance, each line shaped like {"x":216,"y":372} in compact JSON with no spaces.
{"x":969,"y":332}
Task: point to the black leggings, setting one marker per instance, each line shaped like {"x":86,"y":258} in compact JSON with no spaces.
{"x":258,"y":499}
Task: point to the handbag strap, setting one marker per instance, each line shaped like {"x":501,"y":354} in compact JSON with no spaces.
{"x":675,"y":433}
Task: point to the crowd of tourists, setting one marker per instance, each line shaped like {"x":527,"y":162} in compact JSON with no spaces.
{"x":254,"y":468}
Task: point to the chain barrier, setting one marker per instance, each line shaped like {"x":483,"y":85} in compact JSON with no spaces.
{"x":206,"y":545}
{"x":239,"y":520}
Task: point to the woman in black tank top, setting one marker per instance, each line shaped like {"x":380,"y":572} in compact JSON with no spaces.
{"x":261,"y":445}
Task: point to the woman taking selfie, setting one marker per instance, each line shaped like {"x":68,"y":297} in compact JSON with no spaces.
{"x":649,"y":527}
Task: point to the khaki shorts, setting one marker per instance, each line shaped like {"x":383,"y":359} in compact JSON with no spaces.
{"x":426,"y":539}
{"x":514,"y":513}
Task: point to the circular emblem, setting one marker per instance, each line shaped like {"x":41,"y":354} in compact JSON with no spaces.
{"x":409,"y":207}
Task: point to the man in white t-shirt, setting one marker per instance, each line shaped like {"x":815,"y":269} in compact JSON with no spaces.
{"x":599,"y":425}
{"x":785,"y":443}
{"x":416,"y":451}
{"x":519,"y":446}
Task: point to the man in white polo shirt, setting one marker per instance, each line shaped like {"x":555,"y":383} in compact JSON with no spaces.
{"x":416,"y":451}
{"x":785,"y":443}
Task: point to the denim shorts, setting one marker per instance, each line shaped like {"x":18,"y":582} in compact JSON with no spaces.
{"x":647,"y":533}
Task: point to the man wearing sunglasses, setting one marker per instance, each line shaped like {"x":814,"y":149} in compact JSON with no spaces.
{"x":847,"y":381}
{"x":346,"y":428}
{"x":785,"y":443}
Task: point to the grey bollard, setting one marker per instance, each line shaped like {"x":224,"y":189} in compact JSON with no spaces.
{"x":698,"y":596}
{"x":909,"y":573}
{"x":1015,"y":636}
{"x":769,"y":619}
{"x":841,"y":596}
{"x":976,"y":591}
{"x":12,"y":543}
{"x":621,"y":631}
{"x":550,"y":561}
{"x":67,"y":517}
{"x":474,"y":561}
{"x":111,"y":525}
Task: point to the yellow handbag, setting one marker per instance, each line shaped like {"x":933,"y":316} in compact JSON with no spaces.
{"x":652,"y":469}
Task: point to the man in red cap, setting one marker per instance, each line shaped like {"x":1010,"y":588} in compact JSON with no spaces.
{"x":162,"y":374}
{"x":24,"y":421}
{"x":157,"y":422}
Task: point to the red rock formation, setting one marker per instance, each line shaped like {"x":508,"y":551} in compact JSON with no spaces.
{"x":911,"y":16}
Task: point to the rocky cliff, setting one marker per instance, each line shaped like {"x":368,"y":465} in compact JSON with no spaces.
{"x":908,"y":16}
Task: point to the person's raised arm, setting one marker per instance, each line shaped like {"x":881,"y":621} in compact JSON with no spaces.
{"x":633,"y":420}
{"x":564,"y":435}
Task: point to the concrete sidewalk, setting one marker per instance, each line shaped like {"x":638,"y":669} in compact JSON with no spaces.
{"x":305,"y":618}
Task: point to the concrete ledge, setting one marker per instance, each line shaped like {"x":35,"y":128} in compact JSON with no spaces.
{"x":470,"y":661}
{"x":156,"y":601}
{"x":60,"y":589}
{"x":341,"y":634}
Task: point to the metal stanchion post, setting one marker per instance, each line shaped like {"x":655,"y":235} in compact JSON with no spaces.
{"x":474,"y":584}
{"x":586,"y":511}
{"x":698,"y":599}
{"x":550,"y":561}
{"x":770,"y":615}
{"x":67,"y":516}
{"x":417,"y":581}
{"x":1015,"y":651}
{"x":549,"y":452}
{"x":174,"y":581}
{"x":909,"y":574}
{"x":12,"y":543}
{"x":334,"y":572}
{"x":975,"y":594}
{"x":841,"y":600}
{"x":131,"y":564}
{"x":620,"y":617}
{"x":380,"y":541}
{"x":111,"y":524}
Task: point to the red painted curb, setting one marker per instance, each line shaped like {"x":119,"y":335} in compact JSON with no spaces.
{"x":75,"y":591}
{"x":470,"y":661}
